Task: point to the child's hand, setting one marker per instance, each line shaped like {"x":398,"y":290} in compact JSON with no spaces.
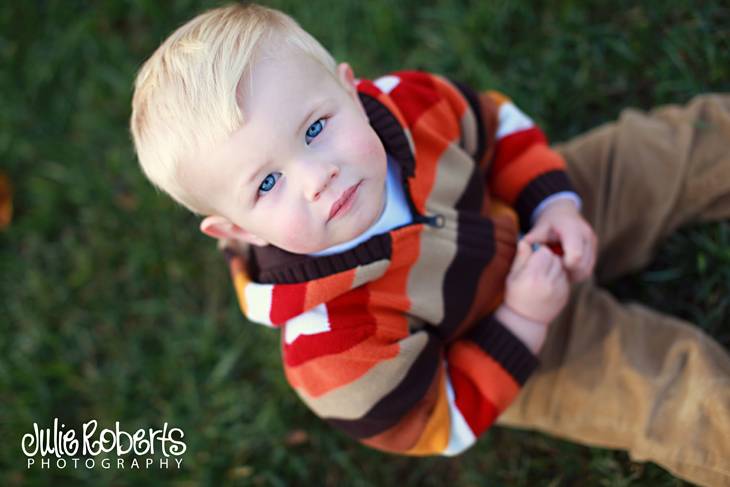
{"x":562,"y":222}
{"x":537,"y":285}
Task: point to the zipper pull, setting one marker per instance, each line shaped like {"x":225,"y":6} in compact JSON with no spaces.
{"x":436,"y":221}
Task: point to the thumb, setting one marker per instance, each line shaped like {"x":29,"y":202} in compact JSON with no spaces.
{"x":523,"y":254}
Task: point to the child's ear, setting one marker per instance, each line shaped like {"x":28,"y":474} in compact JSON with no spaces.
{"x":347,"y":77}
{"x":220,"y":227}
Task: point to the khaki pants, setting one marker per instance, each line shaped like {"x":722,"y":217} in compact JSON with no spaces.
{"x":622,"y":375}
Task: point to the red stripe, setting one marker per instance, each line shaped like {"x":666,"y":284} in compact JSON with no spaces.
{"x":414,"y":95}
{"x":477,"y":410}
{"x":308,"y":347}
{"x":369,"y":88}
{"x":287,"y":300}
{"x":510,"y":147}
{"x":419,"y":78}
{"x":350,"y":323}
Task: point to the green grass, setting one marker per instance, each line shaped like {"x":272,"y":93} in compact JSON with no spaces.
{"x":115,"y":308}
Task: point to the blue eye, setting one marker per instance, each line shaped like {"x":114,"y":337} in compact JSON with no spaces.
{"x":315,"y":129}
{"x":268,"y":182}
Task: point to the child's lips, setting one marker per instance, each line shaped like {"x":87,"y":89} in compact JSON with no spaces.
{"x":344,"y":202}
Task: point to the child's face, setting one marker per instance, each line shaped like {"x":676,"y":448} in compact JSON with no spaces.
{"x":305,"y":141}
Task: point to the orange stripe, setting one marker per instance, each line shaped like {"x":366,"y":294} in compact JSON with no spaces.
{"x":323,"y":374}
{"x":499,"y":98}
{"x":389,"y":296}
{"x":535,"y":161}
{"x":451,"y":94}
{"x":240,"y":280}
{"x":406,"y":247}
{"x":435,"y":437}
{"x":321,"y":290}
{"x":492,"y":380}
{"x":435,"y":129}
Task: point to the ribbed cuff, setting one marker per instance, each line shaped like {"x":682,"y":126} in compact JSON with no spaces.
{"x":499,"y":343}
{"x":534,"y":193}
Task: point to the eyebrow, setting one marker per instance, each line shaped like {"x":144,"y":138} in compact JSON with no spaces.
{"x":247,"y":182}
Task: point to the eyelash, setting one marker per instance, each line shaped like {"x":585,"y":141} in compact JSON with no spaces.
{"x":323,"y":123}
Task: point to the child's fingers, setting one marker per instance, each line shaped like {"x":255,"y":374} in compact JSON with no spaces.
{"x":584,"y":267}
{"x":574,"y":249}
{"x":555,"y":268}
{"x":540,"y":260}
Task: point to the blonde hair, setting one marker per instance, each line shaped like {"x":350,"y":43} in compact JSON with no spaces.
{"x":185,"y":95}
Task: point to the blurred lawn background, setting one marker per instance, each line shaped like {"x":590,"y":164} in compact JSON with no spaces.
{"x":115,"y":308}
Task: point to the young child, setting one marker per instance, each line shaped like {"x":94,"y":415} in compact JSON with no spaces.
{"x":387,"y":228}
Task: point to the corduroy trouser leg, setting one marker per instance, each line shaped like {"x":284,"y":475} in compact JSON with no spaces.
{"x":620,"y":374}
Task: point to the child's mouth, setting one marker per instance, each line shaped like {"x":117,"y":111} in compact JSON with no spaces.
{"x":345,"y":202}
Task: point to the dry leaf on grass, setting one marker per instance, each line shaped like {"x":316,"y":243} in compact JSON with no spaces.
{"x":6,"y":201}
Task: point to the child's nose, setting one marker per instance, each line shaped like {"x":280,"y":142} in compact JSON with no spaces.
{"x":322,"y":181}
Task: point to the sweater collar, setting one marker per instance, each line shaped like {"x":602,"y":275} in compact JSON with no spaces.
{"x":273,"y":265}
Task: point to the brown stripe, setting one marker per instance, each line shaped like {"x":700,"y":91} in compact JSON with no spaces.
{"x":476,"y":110}
{"x":476,"y":248}
{"x":490,"y":288}
{"x":402,"y":399}
{"x":279,"y":266}
{"x":489,"y":111}
{"x":405,"y":433}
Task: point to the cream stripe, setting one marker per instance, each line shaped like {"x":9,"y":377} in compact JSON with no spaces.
{"x":314,"y":321}
{"x":387,"y":83}
{"x":511,"y":120}
{"x":370,"y":272}
{"x":453,"y":170}
{"x":469,"y":131}
{"x":354,"y":400}
{"x":258,"y":298}
{"x":425,"y":280}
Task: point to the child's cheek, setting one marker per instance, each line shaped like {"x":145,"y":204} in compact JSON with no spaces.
{"x":373,"y":147}
{"x":359,"y":145}
{"x":296,"y":231}
{"x":360,"y":142}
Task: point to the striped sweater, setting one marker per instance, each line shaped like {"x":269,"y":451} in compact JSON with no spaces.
{"x":394,"y":341}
